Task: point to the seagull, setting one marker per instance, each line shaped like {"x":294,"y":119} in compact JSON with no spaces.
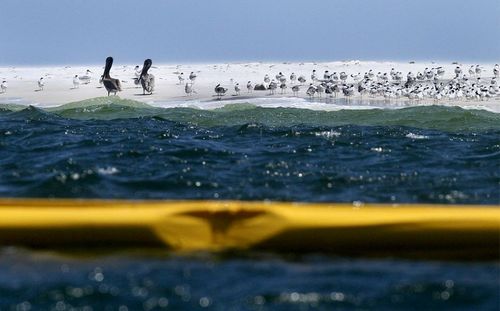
{"x":335,"y":77}
{"x":181,"y":78}
{"x":278,"y":76}
{"x":249,"y":87}
{"x":472,"y":71}
{"x":313,"y":76}
{"x":272,"y":87}
{"x":41,"y":84}
{"x":302,"y":79}
{"x":311,"y":90}
{"x":220,"y":91}
{"x":188,"y":88}
{"x":283,"y":87}
{"x":192,"y":76}
{"x":237,"y":88}
{"x":293,"y":78}
{"x":76,"y":82}
{"x":320,"y":89}
{"x":295,"y":90}
{"x":326,"y":75}
{"x":111,"y":85}
{"x":147,"y":80}
{"x":343,"y":76}
{"x":458,"y":71}
{"x":3,"y":86}
{"x":478,"y":71}
{"x":86,"y":77}
{"x":267,"y":79}
{"x":496,"y":70}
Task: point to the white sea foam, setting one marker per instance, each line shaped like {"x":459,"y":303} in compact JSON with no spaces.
{"x":416,"y":136}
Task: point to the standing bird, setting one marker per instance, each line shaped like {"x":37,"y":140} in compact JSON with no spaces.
{"x":249,"y":87}
{"x":112,"y":85}
{"x":313,"y":76}
{"x":458,"y":71}
{"x":41,"y":84}
{"x":220,"y":91}
{"x":326,"y":75}
{"x":496,"y":70}
{"x":181,"y":78}
{"x":267,"y":79}
{"x":293,"y":78}
{"x":302,"y":79}
{"x":192,"y":76}
{"x":147,"y":80}
{"x":283,"y":87}
{"x":3,"y":86}
{"x":472,"y":71}
{"x":478,"y":71}
{"x":76,"y":82}
{"x":295,"y":90}
{"x":272,"y":87}
{"x":237,"y":88}
{"x":311,"y":90}
{"x":86,"y":77}
{"x":188,"y":88}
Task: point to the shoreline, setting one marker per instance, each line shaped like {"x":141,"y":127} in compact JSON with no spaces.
{"x":59,"y":90}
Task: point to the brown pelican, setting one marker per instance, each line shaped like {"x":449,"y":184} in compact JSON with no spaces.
{"x":111,"y":85}
{"x":147,"y":80}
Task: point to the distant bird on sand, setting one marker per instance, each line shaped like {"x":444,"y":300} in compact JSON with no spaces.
{"x":147,"y":80}
{"x":181,"y":78}
{"x":496,"y":70}
{"x":3,"y":86}
{"x":272,"y":87}
{"x":295,"y":90}
{"x":293,"y":78}
{"x":41,"y":84}
{"x":302,"y":79}
{"x":311,"y":90}
{"x":249,"y":87}
{"x":188,"y":88}
{"x":267,"y":79}
{"x":220,"y":91}
{"x":192,"y":76}
{"x":76,"y":82}
{"x":112,"y":85}
{"x":86,"y":77}
{"x":237,"y":89}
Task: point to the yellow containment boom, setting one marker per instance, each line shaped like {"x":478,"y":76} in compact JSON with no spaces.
{"x":414,"y":230}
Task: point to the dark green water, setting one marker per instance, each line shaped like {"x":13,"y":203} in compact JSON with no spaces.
{"x":112,"y":148}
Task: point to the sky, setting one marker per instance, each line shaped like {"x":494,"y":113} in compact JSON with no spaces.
{"x":35,"y":32}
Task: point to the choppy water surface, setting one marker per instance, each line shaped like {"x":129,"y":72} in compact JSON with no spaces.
{"x":125,"y":149}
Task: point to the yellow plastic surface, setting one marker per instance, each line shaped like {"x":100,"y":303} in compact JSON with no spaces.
{"x":424,"y":231}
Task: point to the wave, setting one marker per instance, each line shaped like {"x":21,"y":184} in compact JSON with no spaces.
{"x":109,"y":108}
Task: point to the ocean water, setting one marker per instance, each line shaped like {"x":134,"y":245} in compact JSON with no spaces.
{"x":113,"y":148}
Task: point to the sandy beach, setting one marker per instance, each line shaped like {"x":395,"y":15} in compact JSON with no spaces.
{"x":59,"y":88}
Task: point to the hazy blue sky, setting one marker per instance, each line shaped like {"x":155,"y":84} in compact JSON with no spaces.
{"x":86,"y":31}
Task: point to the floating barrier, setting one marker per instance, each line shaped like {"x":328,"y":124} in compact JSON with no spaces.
{"x":413,"y":230}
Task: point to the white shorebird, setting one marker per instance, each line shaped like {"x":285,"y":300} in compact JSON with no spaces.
{"x":343,"y":77}
{"x":76,"y":82}
{"x":320,"y":89}
{"x":41,"y":84}
{"x":314,"y":77}
{"x":272,"y":87}
{"x":86,"y":77}
{"x":458,"y":71}
{"x":326,"y":75}
{"x":267,"y":79}
{"x":279,"y":76}
{"x":249,"y":87}
{"x":237,"y":89}
{"x":192,"y":76}
{"x":496,"y":71}
{"x":293,"y":78}
{"x":302,"y":79}
{"x":188,"y":88}
{"x":295,"y":90}
{"x":181,"y":78}
{"x":3,"y":86}
{"x":472,"y":71}
{"x":478,"y":71}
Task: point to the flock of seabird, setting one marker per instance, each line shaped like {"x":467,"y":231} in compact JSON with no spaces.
{"x":426,"y":84}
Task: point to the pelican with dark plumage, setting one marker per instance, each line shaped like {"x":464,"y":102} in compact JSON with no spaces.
{"x":147,"y":80}
{"x":112,"y":85}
